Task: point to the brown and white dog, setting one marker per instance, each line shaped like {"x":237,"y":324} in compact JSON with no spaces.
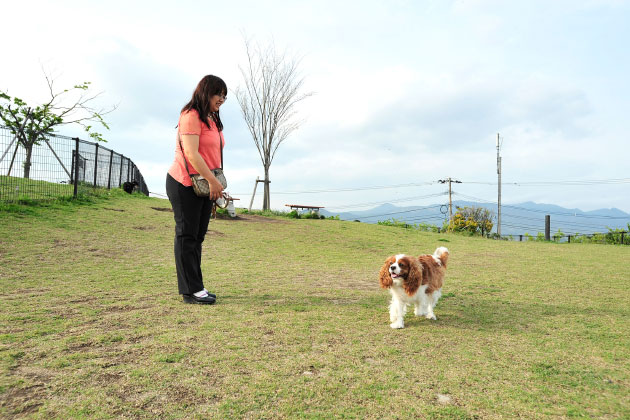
{"x":416,"y":280}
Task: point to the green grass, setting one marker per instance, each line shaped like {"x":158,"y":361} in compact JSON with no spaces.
{"x":92,"y":326}
{"x":16,"y":189}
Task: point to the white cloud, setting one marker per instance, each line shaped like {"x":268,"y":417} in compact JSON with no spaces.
{"x":404,"y":91}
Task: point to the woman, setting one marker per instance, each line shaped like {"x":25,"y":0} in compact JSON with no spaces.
{"x":200,"y":132}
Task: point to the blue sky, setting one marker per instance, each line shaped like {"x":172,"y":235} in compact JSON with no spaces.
{"x":405,"y":92}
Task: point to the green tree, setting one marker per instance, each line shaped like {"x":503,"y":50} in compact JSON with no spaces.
{"x":474,"y":220}
{"x":30,"y":124}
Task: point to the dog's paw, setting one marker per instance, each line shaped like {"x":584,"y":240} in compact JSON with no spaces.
{"x":397,"y":325}
{"x":431,"y":316}
{"x":418,"y":312}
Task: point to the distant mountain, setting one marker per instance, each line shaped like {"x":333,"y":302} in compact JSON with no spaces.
{"x":516,"y":219}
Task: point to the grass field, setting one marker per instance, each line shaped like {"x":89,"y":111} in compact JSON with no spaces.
{"x":92,"y":326}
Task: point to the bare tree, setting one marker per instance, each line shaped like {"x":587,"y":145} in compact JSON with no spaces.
{"x":272,"y":90}
{"x":30,"y":125}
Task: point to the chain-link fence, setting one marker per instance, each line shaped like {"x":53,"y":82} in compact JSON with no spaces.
{"x":61,"y":166}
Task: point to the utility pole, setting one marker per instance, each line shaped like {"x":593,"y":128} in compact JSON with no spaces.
{"x":499,"y":198}
{"x":450,"y":201}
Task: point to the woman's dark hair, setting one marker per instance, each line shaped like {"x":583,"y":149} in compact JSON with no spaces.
{"x":208,"y":86}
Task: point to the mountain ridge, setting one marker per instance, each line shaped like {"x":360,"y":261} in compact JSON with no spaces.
{"x":516,"y":219}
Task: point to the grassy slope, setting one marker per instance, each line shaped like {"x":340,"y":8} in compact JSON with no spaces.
{"x":92,"y":326}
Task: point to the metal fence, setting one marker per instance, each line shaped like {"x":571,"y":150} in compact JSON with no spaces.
{"x":613,"y":237}
{"x":61,"y":166}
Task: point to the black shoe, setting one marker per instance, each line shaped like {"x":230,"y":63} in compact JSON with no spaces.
{"x":206,"y":300}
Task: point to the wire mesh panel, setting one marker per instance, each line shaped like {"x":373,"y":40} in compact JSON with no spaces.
{"x":102,"y":166}
{"x":126,"y":169}
{"x":49,"y":168}
{"x":40,"y":171}
{"x":116,"y":165}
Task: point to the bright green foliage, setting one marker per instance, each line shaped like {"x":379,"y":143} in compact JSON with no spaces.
{"x":293,"y":214}
{"x":30,"y":124}
{"x":559,"y":235}
{"x":613,"y":236}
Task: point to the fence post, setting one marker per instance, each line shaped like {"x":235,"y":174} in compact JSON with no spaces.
{"x":72,"y":168}
{"x":95,"y":163}
{"x":547,"y":228}
{"x":76,"y":166}
{"x":120,"y":176}
{"x":520,"y":238}
{"x":622,"y":233}
{"x":109,"y":177}
{"x":128,"y":170}
{"x":569,"y":238}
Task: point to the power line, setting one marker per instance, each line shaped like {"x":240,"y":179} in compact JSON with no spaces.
{"x":401,"y":212}
{"x":554,"y":183}
{"x":375,"y":203}
{"x":537,"y":229}
{"x":374,"y":187}
{"x":424,"y":219}
{"x":586,"y":216}
{"x":610,"y":181}
{"x":557,"y":222}
{"x":483,"y":201}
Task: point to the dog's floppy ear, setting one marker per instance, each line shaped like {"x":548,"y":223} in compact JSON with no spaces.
{"x":384,"y":278}
{"x":414,"y":278}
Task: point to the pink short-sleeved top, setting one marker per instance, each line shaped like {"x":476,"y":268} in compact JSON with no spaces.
{"x":209,"y":138}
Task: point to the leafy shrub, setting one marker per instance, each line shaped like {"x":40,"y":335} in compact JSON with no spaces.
{"x":471,"y":220}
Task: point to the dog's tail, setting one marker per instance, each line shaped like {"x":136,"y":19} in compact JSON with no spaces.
{"x":442,"y":254}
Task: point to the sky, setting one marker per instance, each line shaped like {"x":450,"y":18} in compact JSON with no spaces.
{"x":405,"y":93}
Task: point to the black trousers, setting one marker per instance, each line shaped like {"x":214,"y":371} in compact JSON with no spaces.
{"x":192,"y":215}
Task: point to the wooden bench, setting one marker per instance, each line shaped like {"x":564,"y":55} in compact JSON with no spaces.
{"x":313,"y":209}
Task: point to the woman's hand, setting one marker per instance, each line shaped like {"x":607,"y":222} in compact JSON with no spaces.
{"x":191,"y":150}
{"x":216,"y":189}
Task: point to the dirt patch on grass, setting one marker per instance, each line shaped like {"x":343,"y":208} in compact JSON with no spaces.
{"x":144,"y":227}
{"x":21,"y":294}
{"x":28,"y":397}
{"x":250,"y":218}
{"x":24,"y":400}
{"x":61,"y":243}
{"x":131,"y":307}
{"x":239,"y":217}
{"x":85,"y":299}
